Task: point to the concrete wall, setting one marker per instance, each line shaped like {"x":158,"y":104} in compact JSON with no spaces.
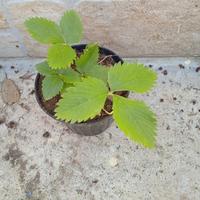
{"x":129,"y":27}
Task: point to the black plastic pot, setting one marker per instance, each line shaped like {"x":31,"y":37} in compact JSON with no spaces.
{"x":90,"y":128}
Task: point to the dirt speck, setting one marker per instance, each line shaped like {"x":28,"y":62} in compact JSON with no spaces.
{"x":161,"y":100}
{"x":2,"y":120}
{"x":197,"y":69}
{"x":181,"y":66}
{"x":32,"y":92}
{"x":24,"y":106}
{"x":12,"y":125}
{"x":95,"y":181}
{"x":193,"y":102}
{"x":32,"y":185}
{"x":26,"y":76}
{"x":33,"y":166}
{"x":46,"y":134}
{"x":165,"y":72}
{"x":14,"y":156}
{"x":79,"y":191}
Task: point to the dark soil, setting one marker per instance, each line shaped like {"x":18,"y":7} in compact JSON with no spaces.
{"x":50,"y":105}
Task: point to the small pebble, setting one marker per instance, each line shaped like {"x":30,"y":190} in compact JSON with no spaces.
{"x":113,"y":162}
{"x":188,"y":62}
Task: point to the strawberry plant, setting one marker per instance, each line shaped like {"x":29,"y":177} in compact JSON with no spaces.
{"x":84,"y":83}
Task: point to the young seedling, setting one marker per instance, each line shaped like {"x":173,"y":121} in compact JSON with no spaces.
{"x":84,"y":83}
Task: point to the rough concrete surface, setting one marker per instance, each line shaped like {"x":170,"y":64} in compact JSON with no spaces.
{"x":132,"y":27}
{"x":42,"y":160}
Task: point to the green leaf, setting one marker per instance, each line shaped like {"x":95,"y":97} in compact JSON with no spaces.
{"x":83,"y":101}
{"x":44,"y":69}
{"x":134,"y":77}
{"x":88,"y":59}
{"x":69,"y":75}
{"x":60,"y":56}
{"x":98,"y":71}
{"x":44,"y":31}
{"x":136,"y":120}
{"x":71,"y":27}
{"x":65,"y":86}
{"x":51,"y":86}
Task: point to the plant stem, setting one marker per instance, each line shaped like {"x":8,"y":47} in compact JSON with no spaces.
{"x":104,"y":59}
{"x":109,"y":113}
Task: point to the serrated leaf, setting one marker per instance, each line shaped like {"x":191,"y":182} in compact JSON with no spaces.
{"x":65,"y":86}
{"x":44,"y":31}
{"x":71,"y":27}
{"x":51,"y":86}
{"x":98,"y":71}
{"x":88,"y":59}
{"x":136,"y":120}
{"x":44,"y":69}
{"x":83,"y":101}
{"x":69,"y":75}
{"x":131,"y":76}
{"x":60,"y":56}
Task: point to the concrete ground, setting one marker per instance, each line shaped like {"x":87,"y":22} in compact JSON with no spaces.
{"x":40,"y":159}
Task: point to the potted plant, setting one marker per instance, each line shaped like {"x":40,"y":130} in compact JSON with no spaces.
{"x":86,"y":86}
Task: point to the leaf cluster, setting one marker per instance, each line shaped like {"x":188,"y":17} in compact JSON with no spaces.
{"x":84,"y":84}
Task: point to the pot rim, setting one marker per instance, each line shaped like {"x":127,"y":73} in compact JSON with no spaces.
{"x":37,"y":95}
